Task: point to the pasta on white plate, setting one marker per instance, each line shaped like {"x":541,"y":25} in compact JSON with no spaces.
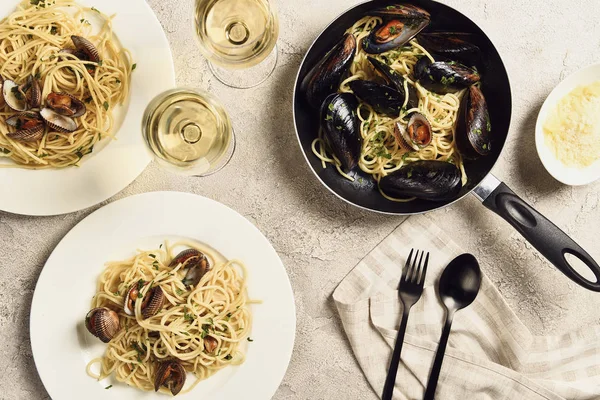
{"x":165,"y":314}
{"x":61,"y":83}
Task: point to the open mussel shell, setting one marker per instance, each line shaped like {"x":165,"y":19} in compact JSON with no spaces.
{"x":341,"y":128}
{"x":444,"y":76}
{"x":416,"y":135}
{"x":405,"y":12}
{"x":32,"y":91}
{"x":426,"y":180}
{"x":153,"y":302}
{"x":325,"y":77}
{"x":396,"y":81}
{"x":30,"y":126}
{"x":170,"y":374}
{"x":393,"y":34}
{"x":450,"y":46}
{"x":57,"y":122}
{"x":66,"y":104}
{"x":14,"y":96}
{"x":103,"y":323}
{"x":384,"y":99}
{"x":86,"y":47}
{"x":473,"y":129}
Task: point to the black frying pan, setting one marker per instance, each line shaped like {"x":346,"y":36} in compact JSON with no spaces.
{"x":553,"y":243}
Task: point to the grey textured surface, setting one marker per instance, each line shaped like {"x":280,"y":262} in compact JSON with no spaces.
{"x":320,"y":238}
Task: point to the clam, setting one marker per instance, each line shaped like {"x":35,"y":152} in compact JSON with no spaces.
{"x":450,"y":46}
{"x":32,"y":92}
{"x":85,"y":49}
{"x":416,"y":135}
{"x":325,"y":77}
{"x":103,"y":323}
{"x":396,"y":81}
{"x":65,"y":104}
{"x":132,"y":295}
{"x":444,"y":76}
{"x":210,"y":344}
{"x":402,"y":22}
{"x":153,"y":302}
{"x":14,"y":96}
{"x":29,"y":125}
{"x":195,"y":262}
{"x":341,"y":128}
{"x":425,"y":179}
{"x":170,"y":374}
{"x":2,"y":102}
{"x":473,"y":128}
{"x":384,"y":99}
{"x":57,"y":122}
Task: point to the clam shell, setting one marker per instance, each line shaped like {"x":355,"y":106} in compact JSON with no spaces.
{"x":87,"y":47}
{"x":33,"y":92}
{"x":77,"y":108}
{"x":131,"y":297}
{"x":2,"y":102}
{"x":170,"y":374}
{"x":102,"y":323}
{"x":153,"y":302}
{"x":185,"y":257}
{"x":26,"y":135}
{"x":13,"y":96}
{"x":57,"y":122}
{"x":210,"y":344}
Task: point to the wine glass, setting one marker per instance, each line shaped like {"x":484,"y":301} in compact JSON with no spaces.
{"x":189,"y":132}
{"x":238,"y":37}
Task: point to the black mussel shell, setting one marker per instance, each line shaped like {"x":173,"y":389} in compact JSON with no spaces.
{"x":341,"y":128}
{"x":451,"y":46}
{"x":393,"y":34}
{"x":473,"y":129}
{"x":444,"y":76}
{"x":325,"y":77}
{"x":401,"y":11}
{"x":384,"y":99}
{"x":395,"y":80}
{"x":426,"y":180}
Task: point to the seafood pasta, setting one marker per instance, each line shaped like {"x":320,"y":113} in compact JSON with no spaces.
{"x":60,"y":83}
{"x":401,"y":105}
{"x":164,"y":315}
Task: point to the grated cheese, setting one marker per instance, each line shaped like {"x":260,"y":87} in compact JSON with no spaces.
{"x":572,"y":132}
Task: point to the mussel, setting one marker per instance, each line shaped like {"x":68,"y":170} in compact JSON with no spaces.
{"x":402,"y":22}
{"x":427,"y":180}
{"x":58,"y":122}
{"x":416,"y":135}
{"x":103,"y":323}
{"x":210,"y":344}
{"x":384,"y":99}
{"x":396,"y":81}
{"x":14,"y":96}
{"x":325,"y":77}
{"x":85,"y":50}
{"x":450,"y":46}
{"x":195,"y":262}
{"x":29,"y":124}
{"x":341,"y":128}
{"x":444,"y":76}
{"x":152,"y":302}
{"x":170,"y":374}
{"x":66,"y":104}
{"x":473,"y":129}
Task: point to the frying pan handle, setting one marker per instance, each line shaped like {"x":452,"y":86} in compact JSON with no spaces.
{"x":546,"y":237}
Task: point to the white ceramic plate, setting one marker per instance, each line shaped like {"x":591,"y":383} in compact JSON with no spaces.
{"x":110,"y":169}
{"x":562,"y":173}
{"x":61,"y":345}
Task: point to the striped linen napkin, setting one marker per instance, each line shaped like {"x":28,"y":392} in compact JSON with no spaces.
{"x":490,"y":355}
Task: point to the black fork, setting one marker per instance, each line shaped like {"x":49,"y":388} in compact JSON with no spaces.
{"x":410,"y":289}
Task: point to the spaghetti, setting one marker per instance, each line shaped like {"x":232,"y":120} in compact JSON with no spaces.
{"x":215,"y":309}
{"x":380,"y":153}
{"x":31,"y":42}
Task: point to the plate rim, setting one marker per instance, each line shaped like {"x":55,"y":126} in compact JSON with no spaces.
{"x":38,"y":203}
{"x":36,"y":341}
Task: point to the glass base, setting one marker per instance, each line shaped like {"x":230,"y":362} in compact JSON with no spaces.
{"x":248,"y":77}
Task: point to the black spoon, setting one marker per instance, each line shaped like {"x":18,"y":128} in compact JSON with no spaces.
{"x":457,"y":288}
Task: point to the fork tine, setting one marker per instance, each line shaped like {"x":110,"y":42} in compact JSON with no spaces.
{"x":424,"y":271}
{"x":418,"y":270}
{"x":406,"y":268}
{"x":413,"y":268}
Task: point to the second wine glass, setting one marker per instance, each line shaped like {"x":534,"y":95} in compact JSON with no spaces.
{"x":238,"y":37}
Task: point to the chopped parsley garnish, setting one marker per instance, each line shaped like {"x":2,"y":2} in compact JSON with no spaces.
{"x":84,"y":21}
{"x":250,"y":339}
{"x":105,"y":105}
{"x":5,"y":151}
{"x":53,"y":30}
{"x":100,"y":63}
{"x":393,"y":30}
{"x":95,"y":9}
{"x":117,"y":293}
{"x":109,"y":386}
{"x":410,"y":173}
{"x":328,"y":118}
{"x":331,"y":108}
{"x":152,"y":255}
{"x":118,"y":81}
{"x":140,"y":284}
{"x":89,"y":99}
{"x":133,"y":67}
{"x":228,"y":357}
{"x":179,"y":292}
{"x":38,"y":75}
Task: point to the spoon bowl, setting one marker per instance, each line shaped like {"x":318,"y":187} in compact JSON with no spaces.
{"x":460,"y":282}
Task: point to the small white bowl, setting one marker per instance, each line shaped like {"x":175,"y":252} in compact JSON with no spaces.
{"x":562,"y":173}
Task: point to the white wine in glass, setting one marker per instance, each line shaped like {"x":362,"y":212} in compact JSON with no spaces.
{"x":189,"y":131}
{"x":239,"y":38}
